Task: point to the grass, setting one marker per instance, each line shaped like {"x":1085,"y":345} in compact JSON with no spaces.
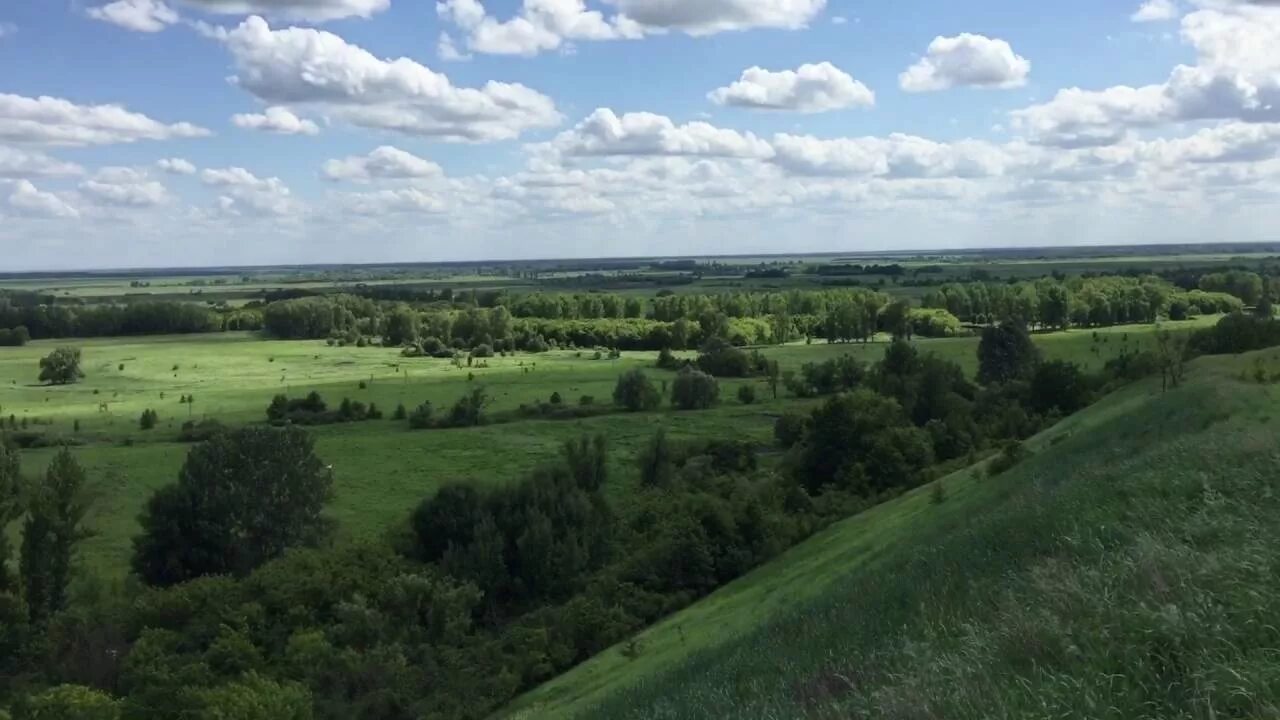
{"x":1125,"y":570}
{"x":381,"y":468}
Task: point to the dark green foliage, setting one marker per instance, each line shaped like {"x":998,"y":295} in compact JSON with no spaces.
{"x":839,"y":374}
{"x":556,"y":399}
{"x":746,"y":394}
{"x":468,"y":411}
{"x":148,"y":419}
{"x":657,"y":461}
{"x":634,"y":392}
{"x":694,"y":390}
{"x":790,"y":428}
{"x":53,"y":526}
{"x":1006,"y":353}
{"x":587,"y":459}
{"x":241,"y":499}
{"x":312,"y":410}
{"x":863,"y":443}
{"x":447,"y":518}
{"x":668,"y":361}
{"x":70,"y":702}
{"x":16,"y":337}
{"x":1237,"y":333}
{"x":1011,"y":453}
{"x":401,"y":329}
{"x":1059,"y":386}
{"x":400,"y":413}
{"x":193,"y":431}
{"x":721,"y":359}
{"x":10,"y":508}
{"x":483,"y":350}
{"x":39,"y":317}
{"x":423,"y":416}
{"x":61,"y":367}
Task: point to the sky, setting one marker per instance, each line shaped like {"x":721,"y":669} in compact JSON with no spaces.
{"x":165,"y":133}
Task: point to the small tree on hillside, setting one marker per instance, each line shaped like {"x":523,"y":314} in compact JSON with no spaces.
{"x":10,"y":508}
{"x":61,"y":367}
{"x":1006,"y":353}
{"x":635,"y":393}
{"x":656,"y":461}
{"x":148,"y":419}
{"x":1171,"y":350}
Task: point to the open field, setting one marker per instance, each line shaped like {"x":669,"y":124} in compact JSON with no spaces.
{"x":1131,"y":514}
{"x":382,"y":469}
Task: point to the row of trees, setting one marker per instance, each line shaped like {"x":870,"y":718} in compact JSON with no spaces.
{"x":44,"y":318}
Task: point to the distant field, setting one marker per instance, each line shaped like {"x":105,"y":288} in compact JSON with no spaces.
{"x":382,"y":469}
{"x":1110,"y":575}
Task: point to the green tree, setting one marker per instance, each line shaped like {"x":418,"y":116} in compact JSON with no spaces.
{"x":241,"y":499}
{"x":148,"y":419}
{"x":635,"y":392}
{"x":10,"y":507}
{"x":656,"y":461}
{"x":1006,"y":353}
{"x":61,"y":367}
{"x":896,"y":319}
{"x":694,"y":390}
{"x":746,"y":394}
{"x":253,"y":697}
{"x":861,"y":442}
{"x":70,"y":702}
{"x":54,"y":525}
{"x":1059,"y":385}
{"x":402,"y":327}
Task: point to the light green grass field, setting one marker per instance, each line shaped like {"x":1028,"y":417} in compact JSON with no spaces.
{"x":382,"y":469}
{"x":1045,"y":592}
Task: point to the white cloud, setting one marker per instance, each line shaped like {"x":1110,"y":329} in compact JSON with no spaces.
{"x":1236,"y":77}
{"x":1229,"y":143}
{"x":26,"y":199}
{"x":308,"y":67}
{"x":245,"y":193}
{"x":1156,"y":11}
{"x":966,"y":60}
{"x":8,"y":30}
{"x":123,"y":186}
{"x":402,"y":200}
{"x":809,"y":89}
{"x":276,"y":120}
{"x":147,"y":16}
{"x":448,"y":51}
{"x":897,"y":156}
{"x":54,"y":121}
{"x":176,"y":166}
{"x":309,"y":10}
{"x":604,"y":133}
{"x":712,"y":16}
{"x":383,"y":163}
{"x":15,"y":163}
{"x":544,"y":25}
{"x":839,"y":20}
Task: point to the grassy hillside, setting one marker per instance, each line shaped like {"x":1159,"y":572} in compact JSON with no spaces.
{"x":1127,"y":570}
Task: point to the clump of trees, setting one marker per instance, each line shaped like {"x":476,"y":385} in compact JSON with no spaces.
{"x":15,"y":337}
{"x":635,"y":392}
{"x":61,"y":367}
{"x":241,"y":499}
{"x":694,"y":390}
{"x":312,"y":410}
{"x":468,"y":411}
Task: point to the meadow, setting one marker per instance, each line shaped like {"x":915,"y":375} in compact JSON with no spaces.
{"x":1120,"y":571}
{"x":382,"y":469}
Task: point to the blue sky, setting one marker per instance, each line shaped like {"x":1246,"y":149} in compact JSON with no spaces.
{"x":191,"y":132}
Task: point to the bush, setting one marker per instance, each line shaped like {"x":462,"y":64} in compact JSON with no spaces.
{"x":400,"y":413}
{"x":1011,"y":453}
{"x":17,"y":337}
{"x":61,"y":367}
{"x":694,"y":390}
{"x":635,"y":393}
{"x":1058,"y":385}
{"x":193,"y":431}
{"x":148,"y":420}
{"x":747,"y":394}
{"x":721,"y":359}
{"x":790,"y":429}
{"x":482,"y":351}
{"x":556,"y":399}
{"x":423,"y":416}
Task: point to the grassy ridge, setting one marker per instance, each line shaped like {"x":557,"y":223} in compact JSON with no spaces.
{"x":1127,"y":570}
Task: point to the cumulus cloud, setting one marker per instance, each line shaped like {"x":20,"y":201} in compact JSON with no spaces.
{"x":1236,"y":77}
{"x":55,"y":121}
{"x":276,"y":120}
{"x":26,"y":199}
{"x":897,"y":156}
{"x":16,"y":163}
{"x":309,"y":10}
{"x":147,"y":16}
{"x":966,"y":60}
{"x":308,"y":67}
{"x":7,"y":30}
{"x":604,"y":133}
{"x":402,"y":200}
{"x":126,"y":187}
{"x":383,"y":163}
{"x":544,"y":25}
{"x":1156,"y":11}
{"x":176,"y":166}
{"x":809,"y":89}
{"x":245,"y":193}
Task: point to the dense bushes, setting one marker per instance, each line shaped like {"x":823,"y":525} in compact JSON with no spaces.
{"x":694,"y":390}
{"x":634,"y":392}
{"x":44,"y":317}
{"x":1236,"y":333}
{"x":832,"y":376}
{"x":312,"y":410}
{"x":17,"y":337}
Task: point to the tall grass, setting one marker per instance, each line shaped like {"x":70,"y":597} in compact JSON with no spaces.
{"x":1129,"y":571}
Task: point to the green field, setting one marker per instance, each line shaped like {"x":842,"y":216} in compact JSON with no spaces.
{"x":1133,"y":538}
{"x":382,"y":469}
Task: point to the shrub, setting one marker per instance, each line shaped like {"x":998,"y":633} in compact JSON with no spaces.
{"x":148,"y":420}
{"x":555,"y":398}
{"x":586,"y":400}
{"x":747,"y":394}
{"x":694,"y":390}
{"x":1011,"y":453}
{"x":789,"y":429}
{"x":400,"y":413}
{"x":635,"y":393}
{"x":423,"y":416}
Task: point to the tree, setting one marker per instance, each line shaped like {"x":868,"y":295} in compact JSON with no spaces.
{"x":1006,"y":353}
{"x":1058,"y":385}
{"x":253,"y":697}
{"x":861,"y":442}
{"x":54,"y":525}
{"x":61,"y":367}
{"x":635,"y":392}
{"x":656,"y":461}
{"x":773,"y":374}
{"x":71,"y":702}
{"x":148,"y":420}
{"x":694,"y":390}
{"x":241,"y":499}
{"x":746,"y":394}
{"x":1171,"y":350}
{"x":10,"y":507}
{"x":896,"y":319}
{"x":790,"y":429}
{"x":402,"y":328}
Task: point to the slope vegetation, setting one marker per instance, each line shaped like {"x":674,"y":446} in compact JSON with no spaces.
{"x":1127,"y":569}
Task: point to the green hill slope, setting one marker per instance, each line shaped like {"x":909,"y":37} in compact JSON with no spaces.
{"x":1128,"y":569}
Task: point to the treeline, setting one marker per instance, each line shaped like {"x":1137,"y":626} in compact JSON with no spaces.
{"x":1080,"y":302}
{"x":38,"y":317}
